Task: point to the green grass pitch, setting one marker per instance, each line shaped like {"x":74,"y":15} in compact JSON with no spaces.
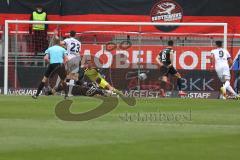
{"x":204,"y":130}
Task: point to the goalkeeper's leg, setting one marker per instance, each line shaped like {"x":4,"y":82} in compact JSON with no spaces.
{"x":105,"y":85}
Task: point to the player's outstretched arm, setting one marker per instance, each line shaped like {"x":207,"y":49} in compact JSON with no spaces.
{"x":158,"y":61}
{"x":65,"y":59}
{"x":62,"y":43}
{"x":46,"y":58}
{"x":55,"y":35}
{"x":171,"y":59}
{"x":83,"y":61}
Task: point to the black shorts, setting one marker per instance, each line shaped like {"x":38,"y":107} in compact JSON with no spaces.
{"x":56,"y":68}
{"x":166,"y":71}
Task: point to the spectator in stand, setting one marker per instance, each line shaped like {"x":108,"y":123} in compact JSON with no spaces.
{"x":39,"y":31}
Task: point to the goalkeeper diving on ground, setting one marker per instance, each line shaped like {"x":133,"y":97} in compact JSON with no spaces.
{"x":89,"y":82}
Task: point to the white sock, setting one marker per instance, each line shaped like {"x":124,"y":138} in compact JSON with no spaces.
{"x":230,"y":89}
{"x":71,"y":84}
{"x":226,"y":84}
{"x":57,"y":82}
{"x":70,"y":90}
{"x":221,"y":96}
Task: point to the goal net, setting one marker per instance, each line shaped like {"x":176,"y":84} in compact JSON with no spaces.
{"x":124,"y":51}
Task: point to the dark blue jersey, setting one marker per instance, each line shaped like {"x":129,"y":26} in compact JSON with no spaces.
{"x":164,"y":56}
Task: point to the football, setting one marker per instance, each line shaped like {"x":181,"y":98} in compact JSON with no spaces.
{"x":142,"y":76}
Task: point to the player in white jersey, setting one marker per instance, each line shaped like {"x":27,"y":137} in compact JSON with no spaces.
{"x":222,"y":60}
{"x":73,"y":47}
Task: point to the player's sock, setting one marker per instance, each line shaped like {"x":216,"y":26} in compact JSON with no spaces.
{"x":40,"y":87}
{"x":226,"y":84}
{"x":65,"y":88}
{"x":230,"y":89}
{"x":163,"y":88}
{"x":179,"y":83}
{"x":71,"y":84}
{"x":70,"y":90}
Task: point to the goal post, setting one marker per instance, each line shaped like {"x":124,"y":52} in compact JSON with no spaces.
{"x":93,"y":23}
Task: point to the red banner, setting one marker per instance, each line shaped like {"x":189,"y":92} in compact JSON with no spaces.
{"x":188,"y":58}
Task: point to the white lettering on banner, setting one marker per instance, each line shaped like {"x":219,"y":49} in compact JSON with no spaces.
{"x":22,"y":92}
{"x":205,"y":60}
{"x":136,"y":58}
{"x":108,"y":64}
{"x":186,"y":58}
{"x":199,"y":95}
{"x":142,"y":93}
{"x":206,"y":85}
{"x":199,"y":84}
{"x":193,"y":85}
{"x":184,"y":84}
{"x":182,"y":60}
{"x":122,"y":59}
{"x":171,"y":17}
{"x":174,"y":60}
{"x":150,"y":64}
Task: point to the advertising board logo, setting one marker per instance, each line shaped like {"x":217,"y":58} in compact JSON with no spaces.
{"x":166,"y":11}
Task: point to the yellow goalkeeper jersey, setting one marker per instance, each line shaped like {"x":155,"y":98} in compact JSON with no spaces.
{"x":93,"y":75}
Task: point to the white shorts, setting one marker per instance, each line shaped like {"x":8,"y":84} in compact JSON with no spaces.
{"x":72,"y":65}
{"x":223,"y":73}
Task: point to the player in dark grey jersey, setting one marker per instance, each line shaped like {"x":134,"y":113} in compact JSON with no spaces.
{"x":165,"y":60}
